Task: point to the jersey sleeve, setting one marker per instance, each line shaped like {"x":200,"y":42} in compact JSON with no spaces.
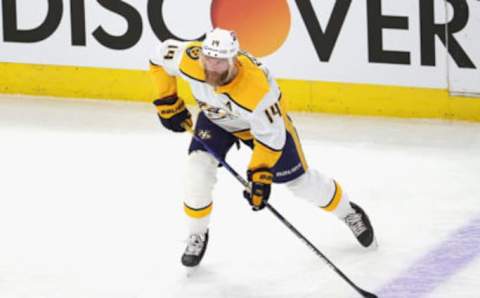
{"x":164,"y":68}
{"x":269,"y":131}
{"x":168,"y":55}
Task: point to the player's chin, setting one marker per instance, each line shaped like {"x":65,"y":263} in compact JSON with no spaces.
{"x":214,"y":79}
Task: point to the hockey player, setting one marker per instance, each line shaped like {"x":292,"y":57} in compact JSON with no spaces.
{"x":239,"y":101}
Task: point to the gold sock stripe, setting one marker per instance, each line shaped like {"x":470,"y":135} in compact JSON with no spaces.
{"x":337,"y":196}
{"x":293,"y":132}
{"x":198,"y":213}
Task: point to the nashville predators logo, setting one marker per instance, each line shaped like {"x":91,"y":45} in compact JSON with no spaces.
{"x":193,"y":52}
{"x":204,"y":134}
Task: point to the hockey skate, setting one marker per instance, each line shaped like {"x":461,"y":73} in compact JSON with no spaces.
{"x":196,"y":246}
{"x":359,"y":224}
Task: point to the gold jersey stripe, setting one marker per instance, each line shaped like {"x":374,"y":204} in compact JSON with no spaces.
{"x":263,"y":156}
{"x":244,"y":135}
{"x":165,"y":84}
{"x":236,"y":102}
{"x":293,"y":132}
{"x":190,"y":64}
{"x":198,"y":213}
{"x":337,"y":196}
{"x":249,"y":87}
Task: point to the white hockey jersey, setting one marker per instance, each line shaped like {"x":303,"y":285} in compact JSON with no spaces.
{"x":250,"y":106}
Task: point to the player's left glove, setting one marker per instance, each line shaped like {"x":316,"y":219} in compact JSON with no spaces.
{"x":260,"y":182}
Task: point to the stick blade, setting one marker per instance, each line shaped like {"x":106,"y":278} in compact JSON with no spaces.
{"x":367,"y":294}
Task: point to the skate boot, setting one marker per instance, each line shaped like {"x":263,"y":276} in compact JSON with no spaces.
{"x":196,"y":246}
{"x":360,"y":225}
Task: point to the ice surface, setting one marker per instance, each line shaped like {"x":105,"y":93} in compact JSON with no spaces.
{"x":91,"y":207}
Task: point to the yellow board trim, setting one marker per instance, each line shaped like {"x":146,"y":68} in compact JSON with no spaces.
{"x":378,"y":100}
{"x":311,"y":96}
{"x":333,"y":204}
{"x":198,"y":213}
{"x":78,"y":82}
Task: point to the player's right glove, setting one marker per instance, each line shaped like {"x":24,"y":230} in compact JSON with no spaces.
{"x":260,"y":183}
{"x":173,"y":113}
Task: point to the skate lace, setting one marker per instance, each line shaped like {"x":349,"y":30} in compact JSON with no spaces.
{"x":356,"y":224}
{"x":195,"y":244}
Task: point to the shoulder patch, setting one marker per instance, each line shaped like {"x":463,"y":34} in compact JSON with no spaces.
{"x":193,"y":52}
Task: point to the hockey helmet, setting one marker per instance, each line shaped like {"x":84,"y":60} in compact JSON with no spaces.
{"x":220,"y":43}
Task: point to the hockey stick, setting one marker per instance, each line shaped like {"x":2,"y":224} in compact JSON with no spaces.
{"x":282,"y":219}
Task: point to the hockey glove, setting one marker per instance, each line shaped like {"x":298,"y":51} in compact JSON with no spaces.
{"x":173,"y":114}
{"x":260,"y":182}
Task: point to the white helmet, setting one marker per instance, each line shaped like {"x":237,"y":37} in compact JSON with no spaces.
{"x":220,"y":43}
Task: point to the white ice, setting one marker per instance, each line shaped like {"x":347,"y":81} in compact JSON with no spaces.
{"x":91,"y":206}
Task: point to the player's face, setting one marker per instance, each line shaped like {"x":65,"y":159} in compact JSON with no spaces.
{"x":216,"y":70}
{"x":215,"y":64}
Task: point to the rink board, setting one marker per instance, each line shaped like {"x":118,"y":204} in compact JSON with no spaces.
{"x":376,"y":57}
{"x":312,"y":96}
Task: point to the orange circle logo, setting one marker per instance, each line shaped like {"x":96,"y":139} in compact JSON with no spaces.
{"x":261,"y":25}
